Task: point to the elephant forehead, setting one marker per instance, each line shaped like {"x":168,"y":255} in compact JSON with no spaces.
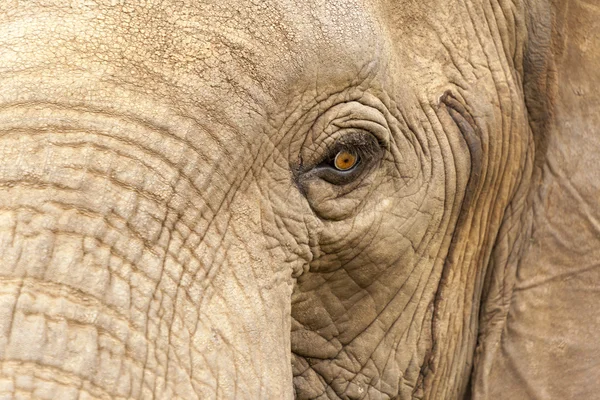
{"x":234,"y":58}
{"x":270,"y":37}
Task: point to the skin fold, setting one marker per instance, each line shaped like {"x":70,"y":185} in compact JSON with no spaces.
{"x":171,"y":225}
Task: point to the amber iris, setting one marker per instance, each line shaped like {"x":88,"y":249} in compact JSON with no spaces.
{"x":345,"y":160}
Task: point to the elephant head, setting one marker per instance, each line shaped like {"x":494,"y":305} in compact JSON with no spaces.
{"x":252,"y":200}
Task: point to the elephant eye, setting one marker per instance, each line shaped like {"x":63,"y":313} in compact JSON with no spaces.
{"x":348,"y":158}
{"x":345,"y":160}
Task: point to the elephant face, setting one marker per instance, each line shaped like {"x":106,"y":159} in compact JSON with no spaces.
{"x":192,"y":189}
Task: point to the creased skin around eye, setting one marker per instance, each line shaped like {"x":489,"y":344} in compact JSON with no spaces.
{"x":333,"y":193}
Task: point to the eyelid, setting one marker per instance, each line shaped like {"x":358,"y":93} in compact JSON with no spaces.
{"x":353,"y":115}
{"x":356,"y":115}
{"x":375,"y":128}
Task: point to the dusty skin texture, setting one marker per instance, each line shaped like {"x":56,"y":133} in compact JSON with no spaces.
{"x":172,"y":225}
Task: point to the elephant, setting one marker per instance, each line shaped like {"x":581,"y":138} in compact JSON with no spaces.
{"x":326,"y":199}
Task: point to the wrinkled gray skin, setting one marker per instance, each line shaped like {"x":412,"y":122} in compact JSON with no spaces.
{"x":166,"y":232}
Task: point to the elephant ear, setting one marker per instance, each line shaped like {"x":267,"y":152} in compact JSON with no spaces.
{"x":540,"y":317}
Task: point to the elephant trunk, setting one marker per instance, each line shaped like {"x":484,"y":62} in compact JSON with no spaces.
{"x":125,"y":265}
